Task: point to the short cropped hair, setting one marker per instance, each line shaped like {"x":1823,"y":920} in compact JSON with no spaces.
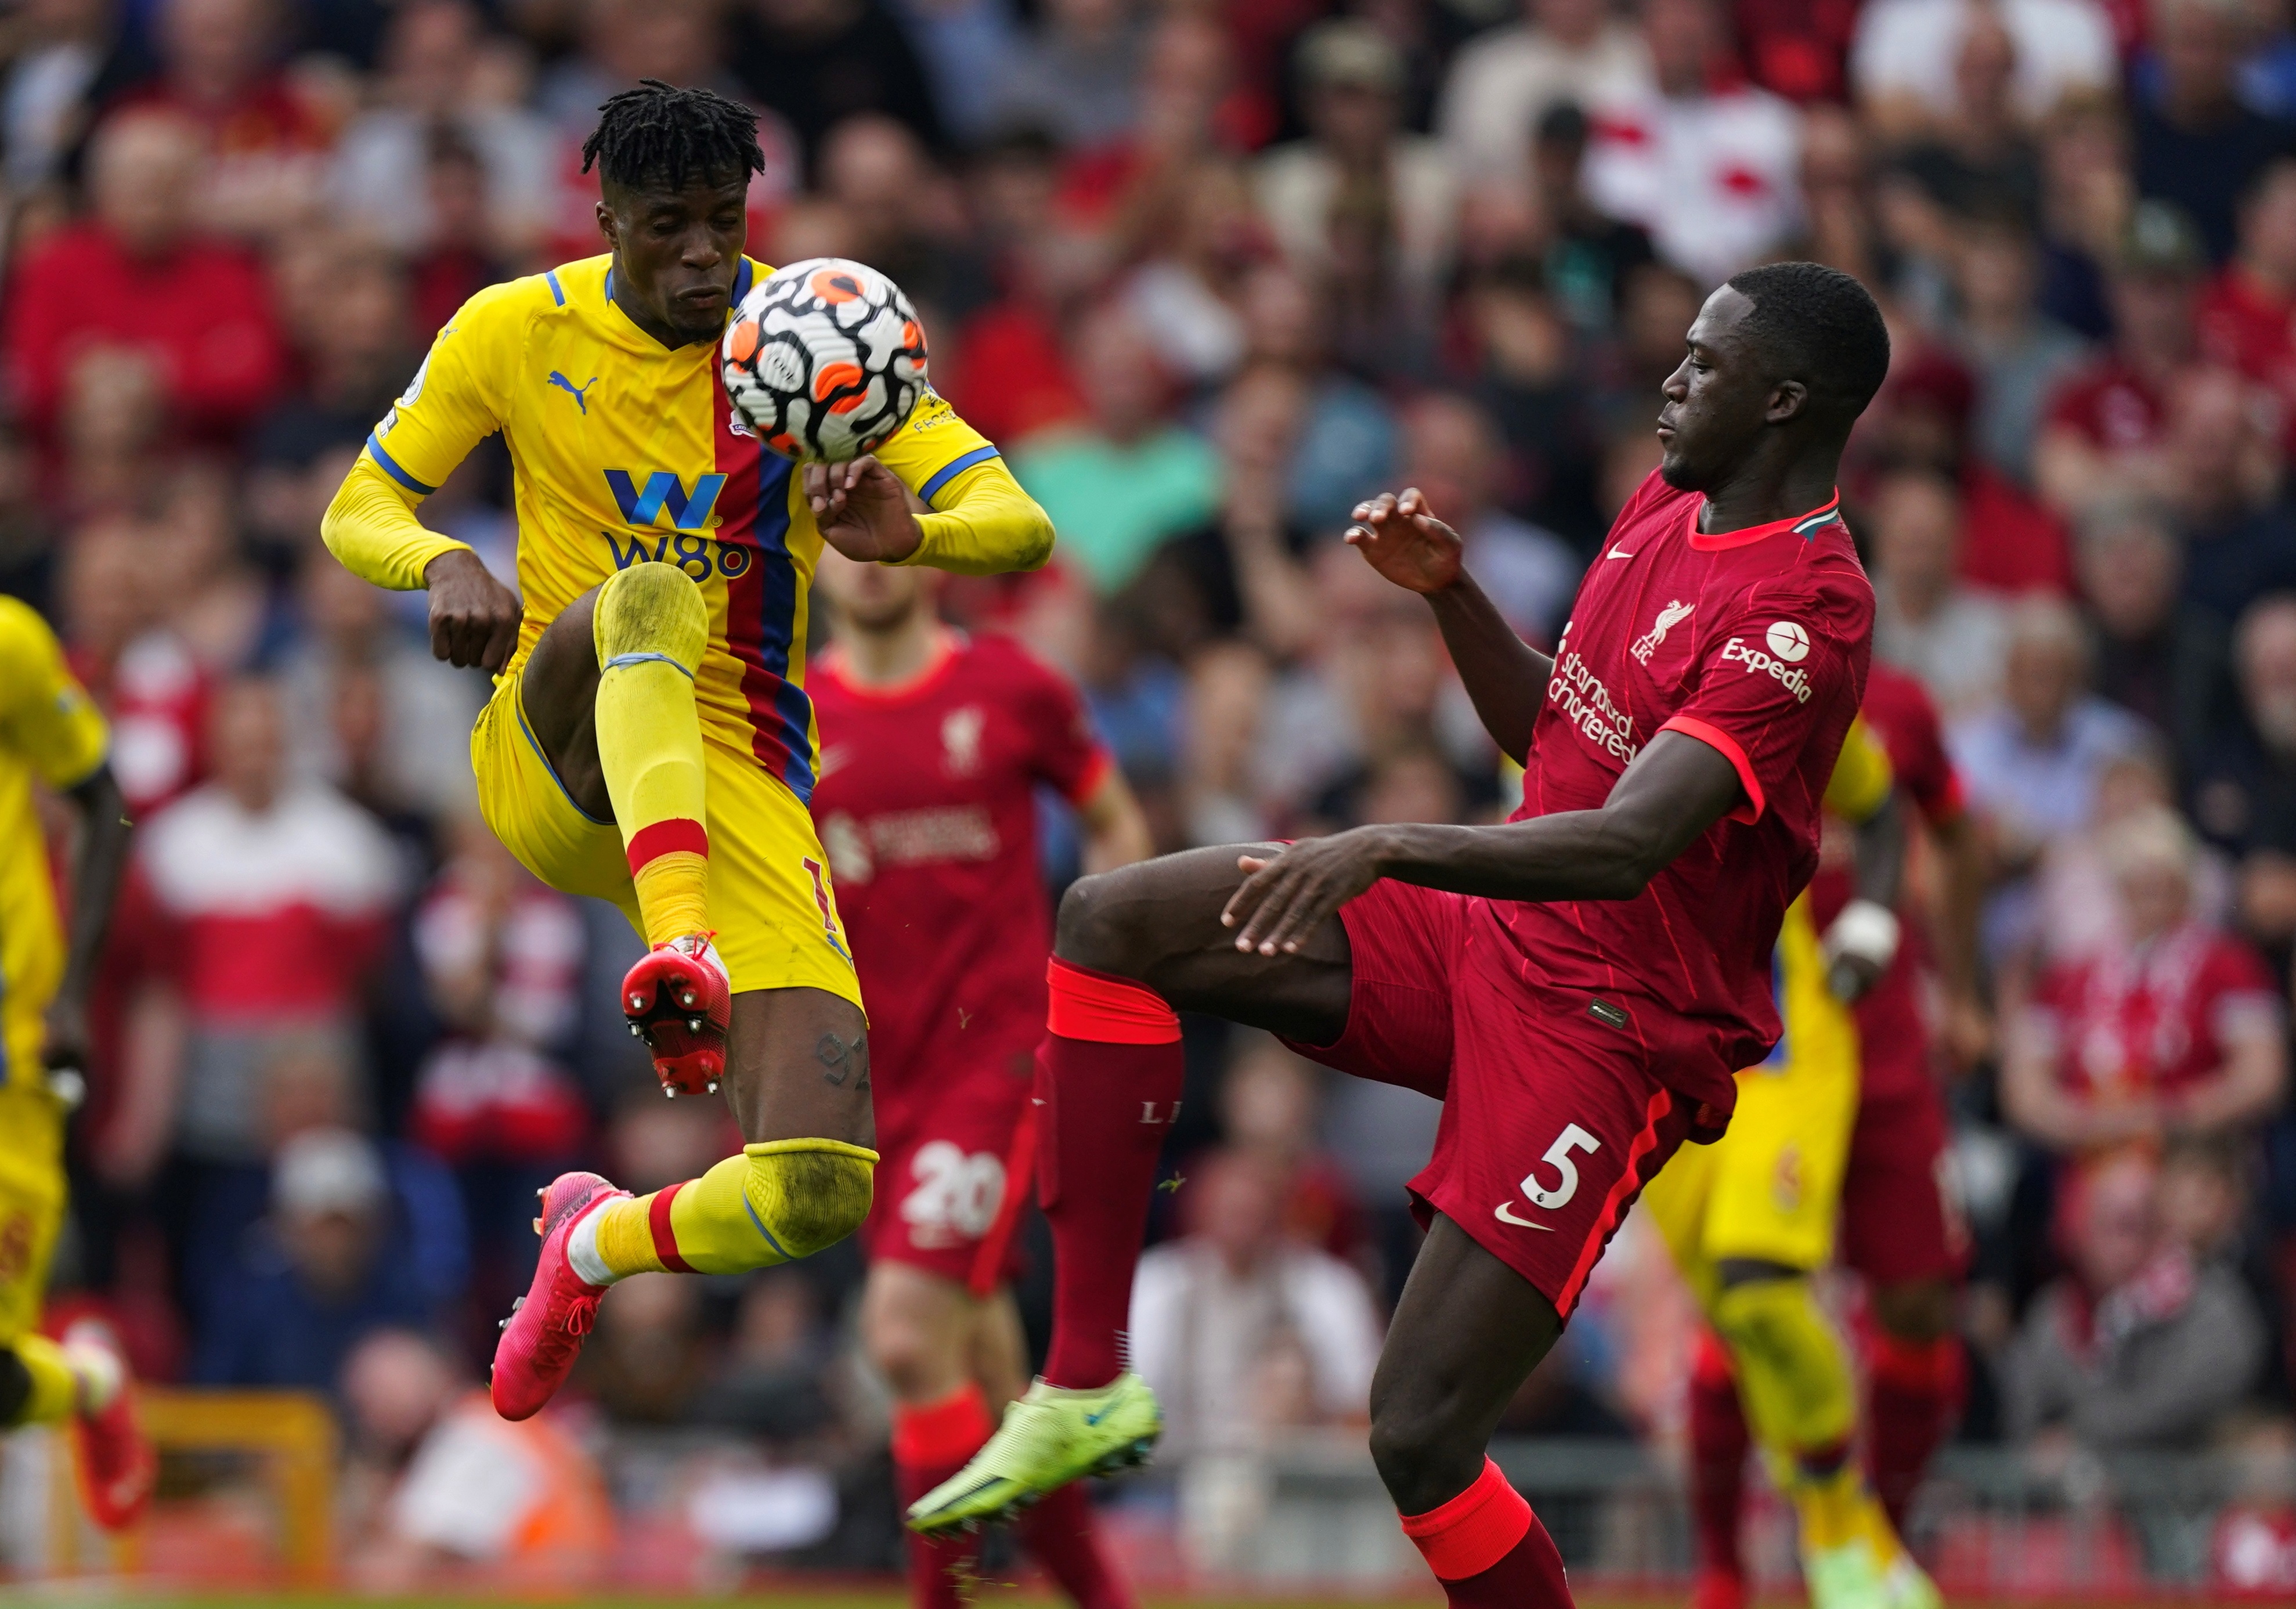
{"x":660,"y":136}
{"x":1820,"y":326}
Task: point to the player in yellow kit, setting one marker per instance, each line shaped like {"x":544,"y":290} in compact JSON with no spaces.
{"x":650,"y":740}
{"x":1750,"y":1218}
{"x":50,"y":734}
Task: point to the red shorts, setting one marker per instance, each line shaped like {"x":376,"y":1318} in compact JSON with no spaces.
{"x":1898,"y":1220}
{"x":1553,"y":1115}
{"x":953,"y":1171}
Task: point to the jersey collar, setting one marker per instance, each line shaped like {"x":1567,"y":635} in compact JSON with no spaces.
{"x":946,"y":643}
{"x":1804,"y":526}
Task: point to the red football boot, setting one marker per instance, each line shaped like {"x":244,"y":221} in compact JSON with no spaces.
{"x":118,"y":1465}
{"x":543,"y":1334}
{"x":680,"y":1001}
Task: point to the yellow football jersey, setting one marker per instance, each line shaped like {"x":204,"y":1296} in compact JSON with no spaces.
{"x":626,"y":451}
{"x":49,"y":731}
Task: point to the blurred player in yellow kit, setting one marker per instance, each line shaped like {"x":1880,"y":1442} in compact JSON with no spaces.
{"x":650,"y":740}
{"x":1750,"y":1218}
{"x":51,"y":734}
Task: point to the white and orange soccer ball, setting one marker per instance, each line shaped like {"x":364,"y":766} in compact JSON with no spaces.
{"x":823,"y":360}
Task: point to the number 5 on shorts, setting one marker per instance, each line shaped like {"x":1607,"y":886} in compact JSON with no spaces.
{"x":1558,"y":1157}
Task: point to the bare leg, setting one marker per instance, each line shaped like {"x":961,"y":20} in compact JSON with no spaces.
{"x":1467,"y":1334}
{"x":1158,"y":922}
{"x":798,"y":1062}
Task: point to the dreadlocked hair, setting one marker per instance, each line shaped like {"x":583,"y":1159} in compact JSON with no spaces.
{"x":660,"y":134}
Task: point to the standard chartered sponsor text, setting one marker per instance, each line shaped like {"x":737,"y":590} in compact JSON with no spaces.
{"x":1585,"y":704}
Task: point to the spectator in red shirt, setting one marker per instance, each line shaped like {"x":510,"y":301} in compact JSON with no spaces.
{"x":2105,"y":421}
{"x":2173,"y":1029}
{"x":266,"y":144}
{"x":136,"y":280}
{"x":2245,"y":312}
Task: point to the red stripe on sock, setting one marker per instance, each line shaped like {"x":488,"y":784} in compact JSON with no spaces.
{"x":1709,"y":1360}
{"x":1472,"y":1531}
{"x":1106,"y":1009}
{"x":666,"y":838}
{"x":944,"y":1432}
{"x":1916,"y":1365}
{"x":665,"y":1242}
{"x":1623,"y":1191}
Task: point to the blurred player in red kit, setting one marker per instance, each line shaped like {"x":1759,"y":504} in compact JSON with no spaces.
{"x":934,"y":746}
{"x":1579,"y":986}
{"x":1897,"y":1227}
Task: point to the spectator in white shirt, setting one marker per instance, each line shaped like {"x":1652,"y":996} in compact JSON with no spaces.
{"x":460,"y":1493}
{"x":1712,"y":173}
{"x":1353,"y":85}
{"x":1903,"y":61}
{"x":1928,"y":621}
{"x":1224,"y":1311}
{"x":1503,"y":82}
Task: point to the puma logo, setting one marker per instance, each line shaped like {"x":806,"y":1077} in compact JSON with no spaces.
{"x":578,"y":393}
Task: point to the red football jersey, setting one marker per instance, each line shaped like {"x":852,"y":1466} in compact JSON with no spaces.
{"x":1756,"y":642}
{"x":1893,"y":1037}
{"x":2151,"y":1020}
{"x":927,"y":807}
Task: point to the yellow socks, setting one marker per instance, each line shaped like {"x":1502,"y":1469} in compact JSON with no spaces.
{"x":1793,"y":1369}
{"x":65,"y":1380}
{"x":777,"y":1201}
{"x":651,"y":627}
{"x":1793,"y":1374}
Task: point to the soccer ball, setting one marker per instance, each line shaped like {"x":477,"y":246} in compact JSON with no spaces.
{"x":823,"y":360}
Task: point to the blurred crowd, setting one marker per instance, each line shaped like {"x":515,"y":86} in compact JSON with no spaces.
{"x":1209,"y":271}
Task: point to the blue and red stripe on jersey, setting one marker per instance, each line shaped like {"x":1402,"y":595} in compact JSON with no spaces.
{"x":761,"y":601}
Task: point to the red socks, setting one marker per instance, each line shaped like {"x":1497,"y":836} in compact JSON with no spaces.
{"x":1489,"y":1550}
{"x":1060,"y":1533}
{"x":1718,"y":1444}
{"x":930,"y":1445}
{"x":1108,"y":1079}
{"x":1913,"y":1395}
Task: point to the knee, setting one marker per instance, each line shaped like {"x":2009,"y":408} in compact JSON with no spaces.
{"x":905,"y":1352}
{"x":650,"y":609}
{"x":1918,"y":1310}
{"x":1090,"y":931}
{"x":807,"y":1194}
{"x":1423,"y":1458}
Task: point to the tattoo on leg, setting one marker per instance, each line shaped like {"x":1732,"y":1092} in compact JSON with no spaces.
{"x":843,"y":1060}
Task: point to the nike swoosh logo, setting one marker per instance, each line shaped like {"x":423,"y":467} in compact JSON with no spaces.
{"x":1615,"y":553}
{"x":1505,"y":1213}
{"x":1095,"y":1418}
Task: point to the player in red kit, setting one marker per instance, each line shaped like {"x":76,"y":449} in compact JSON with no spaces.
{"x":1579,"y":985}
{"x":934,"y":745}
{"x":1897,"y":1229}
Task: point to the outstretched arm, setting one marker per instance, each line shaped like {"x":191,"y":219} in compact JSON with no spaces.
{"x":1505,"y":676}
{"x":1676,"y":788}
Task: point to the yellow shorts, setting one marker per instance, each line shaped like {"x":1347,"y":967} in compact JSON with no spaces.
{"x":1770,"y":1189}
{"x":31,"y":1200}
{"x":769,"y":890}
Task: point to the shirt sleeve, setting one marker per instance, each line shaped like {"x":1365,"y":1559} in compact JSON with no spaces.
{"x":452,"y":404}
{"x":979,"y":523}
{"x":1772,"y":676}
{"x":1068,"y":755}
{"x":46,"y":715}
